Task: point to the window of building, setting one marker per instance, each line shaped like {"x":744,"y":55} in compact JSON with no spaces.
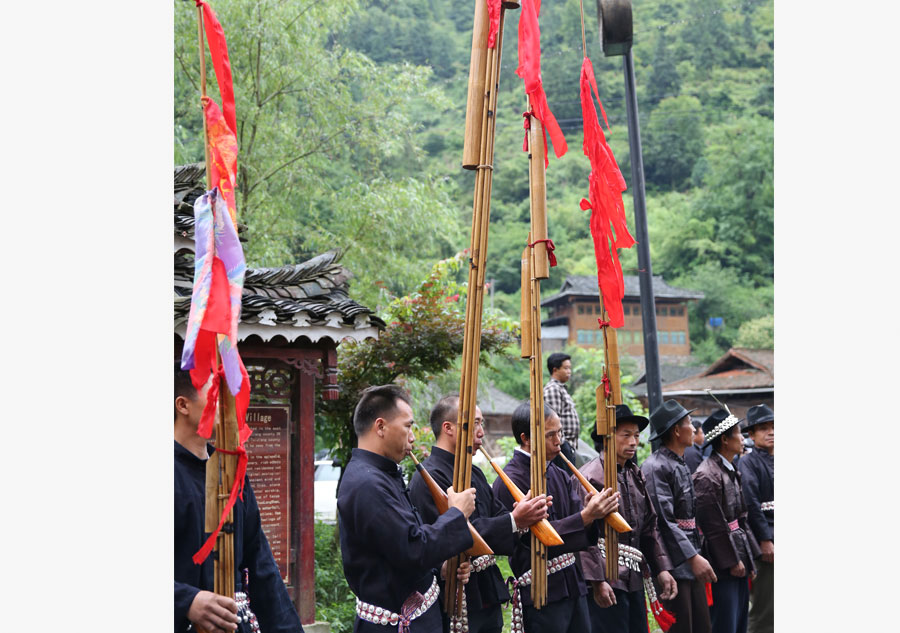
{"x":637,"y":311}
{"x":639,"y":337}
{"x":624,"y":337}
{"x":580,"y":309}
{"x":598,"y":337}
{"x":664,"y":311}
{"x":585,"y":337}
{"x":680,"y":310}
{"x":663,"y":338}
{"x":678,"y":338}
{"x":627,"y":309}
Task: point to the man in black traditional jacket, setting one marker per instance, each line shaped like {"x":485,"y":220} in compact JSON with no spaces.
{"x":669,"y":485}
{"x":486,"y":589}
{"x":391,"y":559}
{"x":722,"y":519}
{"x":195,"y":603}
{"x":577,"y":524}
{"x":619,"y":606}
{"x":757,"y":470}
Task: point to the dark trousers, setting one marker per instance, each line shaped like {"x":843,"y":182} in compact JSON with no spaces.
{"x":762,"y":609}
{"x":731,"y":595}
{"x":563,"y":616}
{"x":487,"y":620}
{"x":627,"y":615}
{"x":689,"y":608}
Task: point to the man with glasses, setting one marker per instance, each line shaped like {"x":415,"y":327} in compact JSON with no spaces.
{"x":499,"y":527}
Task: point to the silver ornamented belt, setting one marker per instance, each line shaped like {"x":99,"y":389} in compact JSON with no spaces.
{"x":553,"y":565}
{"x":461,"y":624}
{"x":415,"y":605}
{"x":483,"y":562}
{"x":244,"y":614}
{"x":629,"y":557}
{"x":767,"y":506}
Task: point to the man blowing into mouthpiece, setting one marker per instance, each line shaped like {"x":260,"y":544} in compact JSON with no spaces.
{"x":498,"y":526}
{"x":391,"y":558}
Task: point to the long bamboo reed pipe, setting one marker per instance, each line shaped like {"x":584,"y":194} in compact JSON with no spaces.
{"x":614,"y":519}
{"x":546,"y":532}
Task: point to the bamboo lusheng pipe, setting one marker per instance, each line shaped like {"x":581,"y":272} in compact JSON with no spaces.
{"x":479,"y":545}
{"x":525,"y":322}
{"x":537,"y":179}
{"x":614,"y":519}
{"x":546,"y":532}
{"x":462,"y":467}
{"x":475,"y":97}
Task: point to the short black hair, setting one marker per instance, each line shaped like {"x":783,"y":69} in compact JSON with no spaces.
{"x":521,"y":419}
{"x":555,"y":361}
{"x":447,"y":408}
{"x":376,"y":402}
{"x":183,"y":385}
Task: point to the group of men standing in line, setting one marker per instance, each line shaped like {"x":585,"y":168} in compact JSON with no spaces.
{"x":698,"y":540}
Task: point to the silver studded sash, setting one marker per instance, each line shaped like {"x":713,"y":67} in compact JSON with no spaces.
{"x":461,"y":624}
{"x":415,"y":605}
{"x":247,"y":622}
{"x":767,"y":506}
{"x":553,"y":565}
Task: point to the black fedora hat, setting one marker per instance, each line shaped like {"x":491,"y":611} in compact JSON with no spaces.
{"x":624,"y":414}
{"x":757,"y":414}
{"x":716,"y":424}
{"x":665,"y":416}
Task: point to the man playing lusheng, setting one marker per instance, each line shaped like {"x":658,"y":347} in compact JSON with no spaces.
{"x":757,"y":470}
{"x":620,"y":607}
{"x":390,"y":557}
{"x":722,"y":519}
{"x":560,"y":367}
{"x":486,"y":589}
{"x":195,"y":603}
{"x":672,"y":493}
{"x":566,"y":607}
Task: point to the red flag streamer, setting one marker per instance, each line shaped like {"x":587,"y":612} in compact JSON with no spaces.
{"x":606,"y":184}
{"x":236,"y":489}
{"x":530,"y":71}
{"x":493,"y":8}
{"x":218,"y":51}
{"x":223,"y":152}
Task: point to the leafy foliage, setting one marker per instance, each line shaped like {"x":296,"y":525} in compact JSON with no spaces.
{"x":335,"y":603}
{"x":423,"y":337}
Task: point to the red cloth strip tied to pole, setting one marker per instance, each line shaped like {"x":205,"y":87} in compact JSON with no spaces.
{"x":530,"y":71}
{"x":550,"y":249}
{"x":223,"y":152}
{"x":218,"y":51}
{"x":606,"y":184}
{"x":236,"y":489}
{"x":493,"y":8}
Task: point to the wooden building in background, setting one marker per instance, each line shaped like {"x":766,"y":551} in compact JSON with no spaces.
{"x":574,"y":310}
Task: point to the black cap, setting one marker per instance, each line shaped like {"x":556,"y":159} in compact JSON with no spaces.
{"x":759,"y":413}
{"x":665,"y":417}
{"x":624,"y":414}
{"x":716,"y":424}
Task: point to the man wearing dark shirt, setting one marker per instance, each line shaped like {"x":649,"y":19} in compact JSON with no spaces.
{"x":619,"y":606}
{"x":195,"y":603}
{"x":722,"y":518}
{"x":486,"y":589}
{"x":577,"y":525}
{"x":696,"y":453}
{"x":391,"y":558}
{"x":757,"y":470}
{"x":669,"y":485}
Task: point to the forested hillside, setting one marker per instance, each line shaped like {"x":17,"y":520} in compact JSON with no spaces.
{"x":351,"y":118}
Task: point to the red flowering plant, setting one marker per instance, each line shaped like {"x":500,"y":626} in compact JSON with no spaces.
{"x":423,"y":339}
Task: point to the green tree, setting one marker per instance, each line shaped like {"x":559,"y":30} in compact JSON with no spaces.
{"x":673,"y":142}
{"x":423,"y":338}
{"x":757,"y":333}
{"x":664,"y":80}
{"x":318,"y":124}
